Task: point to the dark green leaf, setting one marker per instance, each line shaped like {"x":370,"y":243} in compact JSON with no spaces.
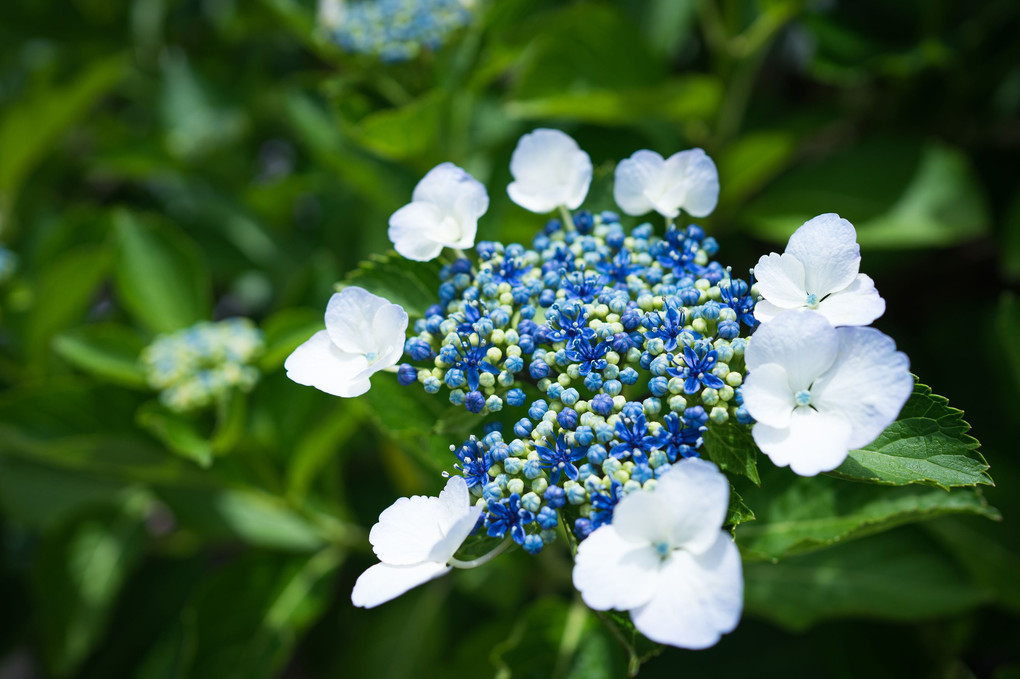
{"x":405,"y":132}
{"x":796,"y":514}
{"x":927,"y":444}
{"x":751,"y":161}
{"x":109,"y":352}
{"x":78,"y":575}
{"x":44,"y":497}
{"x":731,"y":447}
{"x":178,"y":432}
{"x":987,"y":551}
{"x":412,"y":285}
{"x":285,"y":331}
{"x":738,"y":512}
{"x":1008,"y":330}
{"x":900,"y":576}
{"x":161,"y":277}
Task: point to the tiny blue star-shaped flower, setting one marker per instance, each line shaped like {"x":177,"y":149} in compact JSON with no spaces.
{"x":632,"y":432}
{"x":474,"y":463}
{"x":615,"y":271}
{"x":584,"y":286}
{"x":472,"y":361}
{"x":677,"y":253}
{"x":678,"y":439}
{"x":569,"y":325}
{"x":603,"y":504}
{"x":559,"y":458}
{"x":696,"y":369}
{"x":737,"y":296}
{"x":590,"y":355}
{"x":667,"y":326}
{"x":507,"y":515}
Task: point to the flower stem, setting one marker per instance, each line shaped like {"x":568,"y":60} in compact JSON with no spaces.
{"x":568,"y":220}
{"x":485,"y":558}
{"x":460,"y":253}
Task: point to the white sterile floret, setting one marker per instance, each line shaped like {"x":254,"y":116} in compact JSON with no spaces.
{"x":666,"y":559}
{"x":687,"y":180}
{"x":549,"y":170}
{"x":364,"y":334}
{"x":443,"y":212}
{"x":818,"y":392}
{"x":415,"y":539}
{"x":819,"y":271}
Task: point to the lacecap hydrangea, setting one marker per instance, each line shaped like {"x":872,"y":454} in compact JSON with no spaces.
{"x":618,"y":348}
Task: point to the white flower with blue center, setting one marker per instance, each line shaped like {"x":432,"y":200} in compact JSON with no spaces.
{"x":415,"y":540}
{"x":687,"y":181}
{"x":666,"y":559}
{"x":550,"y":171}
{"x":818,"y":392}
{"x":443,"y":213}
{"x":364,"y":334}
{"x":819,"y":270}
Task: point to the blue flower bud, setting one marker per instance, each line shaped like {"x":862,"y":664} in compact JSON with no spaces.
{"x":658,"y":386}
{"x":641,"y":473}
{"x":613,"y":387}
{"x":523,"y":427}
{"x":515,"y":397}
{"x":569,"y":396}
{"x":494,"y":403}
{"x":577,"y":495}
{"x":695,"y":417}
{"x":728,"y":329}
{"x":597,"y":454}
{"x":554,"y":391}
{"x":628,"y":375}
{"x":538,"y":369}
{"x":743,"y":417}
{"x":454,"y":378}
{"x":418,"y":349}
{"x":499,"y":452}
{"x":532,"y":469}
{"x":547,"y":518}
{"x":593,"y":381}
{"x":474,"y":401}
{"x":532,"y":544}
{"x":492,"y":492}
{"x":567,"y":419}
{"x":407,"y":374}
{"x":584,"y":436}
{"x":538,"y":409}
{"x":431,"y":385}
{"x":582,"y":528}
{"x":555,"y":497}
{"x":690,"y":296}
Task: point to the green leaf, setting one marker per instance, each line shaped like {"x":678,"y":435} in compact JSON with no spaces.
{"x":693,"y":97}
{"x":738,"y":512}
{"x":1007,"y":324}
{"x":44,"y":497}
{"x":405,"y":132}
{"x":109,"y":352}
{"x":927,"y":444}
{"x":32,"y":124}
{"x":897,"y":194}
{"x":639,"y":648}
{"x":796,"y":514}
{"x":901,"y":576}
{"x":285,"y":331}
{"x":78,"y":574}
{"x":731,"y":447}
{"x":195,"y":125}
{"x":178,"y":432}
{"x":65,"y":291}
{"x":412,"y":285}
{"x":247,"y":516}
{"x":751,"y":161}
{"x":161,"y":276}
{"x":322,"y":441}
{"x":987,"y":551}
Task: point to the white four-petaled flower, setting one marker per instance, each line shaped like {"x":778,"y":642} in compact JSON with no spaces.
{"x":549,"y":170}
{"x":687,"y":180}
{"x":364,"y":334}
{"x":666,"y":559}
{"x":443,"y":212}
{"x":820,"y":271}
{"x":415,"y":539}
{"x":818,"y":392}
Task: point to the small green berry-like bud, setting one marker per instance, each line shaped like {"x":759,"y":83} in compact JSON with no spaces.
{"x":719,"y":415}
{"x":709,"y":396}
{"x":726,"y":393}
{"x":515,"y":486}
{"x":677,"y":404}
{"x":734,"y":379}
{"x":539,"y":485}
{"x":531,"y":502}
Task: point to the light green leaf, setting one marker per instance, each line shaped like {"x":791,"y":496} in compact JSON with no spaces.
{"x":285,"y":331}
{"x":897,"y":194}
{"x":31,"y":125}
{"x":405,"y":132}
{"x":195,"y":125}
{"x":178,"y":432}
{"x":731,"y":447}
{"x":796,"y":514}
{"x":161,"y":276}
{"x":928,"y":444}
{"x":242,"y":515}
{"x":109,"y":352}
{"x":78,"y":575}
{"x":900,"y":576}
{"x":751,"y":161}
{"x":693,"y":97}
{"x":412,"y":285}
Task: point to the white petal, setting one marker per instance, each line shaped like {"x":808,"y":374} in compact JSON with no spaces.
{"x":698,"y":496}
{"x":699,"y":598}
{"x":765,"y":311}
{"x":319,"y":363}
{"x":349,"y":315}
{"x":611,"y":572}
{"x":388,"y":328}
{"x":693,"y":182}
{"x":457,"y":516}
{"x":802,"y":342}
{"x":827,"y":247}
{"x":635,"y":178}
{"x":411,"y":230}
{"x":781,"y":281}
{"x":767,"y":395}
{"x":408,"y":530}
{"x":383,"y":582}
{"x":868,"y":383}
{"x":644,"y":517}
{"x":814,"y":442}
{"x":549,"y":170}
{"x":453,"y":191}
{"x":857,"y":304}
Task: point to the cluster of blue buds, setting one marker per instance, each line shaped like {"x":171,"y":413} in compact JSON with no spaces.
{"x":618,"y":349}
{"x":194,"y":367}
{"x":393,"y":30}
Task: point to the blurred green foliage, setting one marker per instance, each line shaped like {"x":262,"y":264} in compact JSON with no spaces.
{"x":164,"y":162}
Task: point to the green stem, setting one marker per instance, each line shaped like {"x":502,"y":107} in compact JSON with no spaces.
{"x":568,"y":220}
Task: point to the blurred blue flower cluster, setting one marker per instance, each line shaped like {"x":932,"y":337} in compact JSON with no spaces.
{"x":393,"y":30}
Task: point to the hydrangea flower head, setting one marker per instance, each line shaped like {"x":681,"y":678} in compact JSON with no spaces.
{"x":443,"y":212}
{"x":666,"y":559}
{"x":392,"y":30}
{"x":415,"y":539}
{"x":818,"y":392}
{"x":687,"y":180}
{"x":364,"y":334}
{"x":819,"y":270}
{"x":549,"y":170}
